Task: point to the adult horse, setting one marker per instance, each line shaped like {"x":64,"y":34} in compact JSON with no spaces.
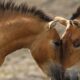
{"x":24,"y":27}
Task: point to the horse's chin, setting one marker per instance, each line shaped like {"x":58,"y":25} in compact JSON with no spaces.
{"x":54,"y":70}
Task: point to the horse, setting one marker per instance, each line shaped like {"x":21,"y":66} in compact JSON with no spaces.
{"x":71,"y":40}
{"x":27,"y":27}
{"x":47,"y":57}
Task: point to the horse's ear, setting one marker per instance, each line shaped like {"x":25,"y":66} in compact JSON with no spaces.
{"x":77,"y":23}
{"x":52,"y":24}
{"x":62,"y":20}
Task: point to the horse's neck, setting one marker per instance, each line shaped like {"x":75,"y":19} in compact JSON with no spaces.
{"x":18,"y":32}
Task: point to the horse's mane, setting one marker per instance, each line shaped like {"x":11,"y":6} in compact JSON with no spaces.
{"x":76,"y":14}
{"x":23,"y":8}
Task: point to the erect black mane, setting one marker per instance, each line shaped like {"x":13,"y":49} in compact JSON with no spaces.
{"x":23,"y":8}
{"x":76,"y":14}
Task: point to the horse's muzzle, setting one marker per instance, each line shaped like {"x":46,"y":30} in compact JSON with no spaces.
{"x":57,"y":72}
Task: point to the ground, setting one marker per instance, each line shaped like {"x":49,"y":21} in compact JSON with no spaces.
{"x":20,"y":65}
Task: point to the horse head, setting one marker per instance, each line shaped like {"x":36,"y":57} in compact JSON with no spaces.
{"x":70,"y":45}
{"x":70,"y":41}
{"x":46,"y":50}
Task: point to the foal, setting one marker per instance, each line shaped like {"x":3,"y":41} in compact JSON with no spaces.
{"x":46,"y":51}
{"x":71,"y":41}
{"x":19,"y":27}
{"x":23,"y":27}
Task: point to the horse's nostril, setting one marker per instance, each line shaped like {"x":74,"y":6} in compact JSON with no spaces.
{"x":58,"y":43}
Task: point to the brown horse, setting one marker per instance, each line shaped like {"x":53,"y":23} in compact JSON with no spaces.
{"x":23,"y":27}
{"x":71,"y":41}
{"x":71,"y":44}
{"x":46,"y":55}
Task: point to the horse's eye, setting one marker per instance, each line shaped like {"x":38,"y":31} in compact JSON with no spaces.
{"x":58,"y":43}
{"x":76,"y":43}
